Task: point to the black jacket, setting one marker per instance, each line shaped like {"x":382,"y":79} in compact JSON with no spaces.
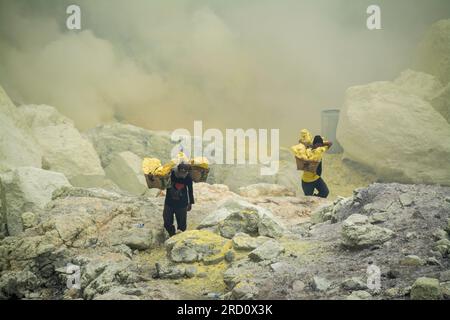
{"x":181,"y":193}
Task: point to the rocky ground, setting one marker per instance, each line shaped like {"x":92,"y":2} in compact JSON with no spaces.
{"x":260,"y":244}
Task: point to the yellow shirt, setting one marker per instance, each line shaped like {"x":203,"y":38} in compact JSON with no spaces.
{"x":312,"y":176}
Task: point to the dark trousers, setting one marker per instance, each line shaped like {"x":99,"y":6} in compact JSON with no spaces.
{"x":180,"y":214}
{"x":319,"y":184}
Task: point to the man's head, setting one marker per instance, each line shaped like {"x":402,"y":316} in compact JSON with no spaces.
{"x":317,"y":142}
{"x":182,"y":170}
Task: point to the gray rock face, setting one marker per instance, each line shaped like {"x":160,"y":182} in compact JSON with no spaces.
{"x":391,"y":152}
{"x":269,"y":250}
{"x":434,"y":51}
{"x":64,"y":149}
{"x":441,"y":102}
{"x":125,"y":171}
{"x":234,"y":216}
{"x":28,"y":189}
{"x":20,"y":147}
{"x":17,"y":284}
{"x":114,"y":138}
{"x":357,"y":232}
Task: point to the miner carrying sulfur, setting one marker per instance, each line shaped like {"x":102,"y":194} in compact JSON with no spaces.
{"x":312,"y":150}
{"x":179,"y":199}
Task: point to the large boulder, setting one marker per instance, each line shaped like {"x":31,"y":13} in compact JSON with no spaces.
{"x":114,"y":138}
{"x":426,"y":289}
{"x":17,"y":145}
{"x":434,"y":51}
{"x":64,"y":149}
{"x":357,"y":232}
{"x":234,"y":216}
{"x":27,"y":189}
{"x":269,"y":250}
{"x":412,"y":147}
{"x":423,"y":85}
{"x":125,"y":171}
{"x":441,"y":102}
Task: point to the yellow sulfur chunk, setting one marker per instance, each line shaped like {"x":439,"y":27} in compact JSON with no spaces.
{"x":149,"y":165}
{"x":164,"y":170}
{"x":305,"y":137}
{"x":201,"y":162}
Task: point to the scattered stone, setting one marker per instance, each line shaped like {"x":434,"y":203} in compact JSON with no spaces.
{"x":412,"y":260}
{"x":245,"y":291}
{"x":443,"y":247}
{"x":168,"y":271}
{"x":298,"y":286}
{"x":269,"y":250}
{"x":432,"y":261}
{"x":426,"y":289}
{"x":406,"y":200}
{"x":265,"y":190}
{"x":393,"y":293}
{"x":242,"y":241}
{"x":439,"y":234}
{"x":29,"y":220}
{"x":444,"y":276}
{"x":229,"y":256}
{"x":357,"y":232}
{"x":270,"y":228}
{"x":191,"y":271}
{"x":320,"y":284}
{"x":378,"y":217}
{"x":445,"y":287}
{"x":359,"y":295}
{"x":28,"y":189}
{"x":353,"y":284}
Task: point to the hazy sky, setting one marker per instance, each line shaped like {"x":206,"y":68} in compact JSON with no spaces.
{"x":163,"y":64}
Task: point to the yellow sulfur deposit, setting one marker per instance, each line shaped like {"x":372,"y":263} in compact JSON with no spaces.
{"x":306,"y":137}
{"x":201,"y":162}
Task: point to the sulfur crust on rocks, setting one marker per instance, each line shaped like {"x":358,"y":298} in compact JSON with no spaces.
{"x":218,"y":245}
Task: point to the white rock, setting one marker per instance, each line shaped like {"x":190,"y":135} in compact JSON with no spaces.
{"x":420,"y":84}
{"x":28,"y":189}
{"x":411,"y":147}
{"x":17,"y":145}
{"x":125,"y":171}
{"x":64,"y":149}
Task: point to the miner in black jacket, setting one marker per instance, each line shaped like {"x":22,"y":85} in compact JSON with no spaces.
{"x":179,"y":198}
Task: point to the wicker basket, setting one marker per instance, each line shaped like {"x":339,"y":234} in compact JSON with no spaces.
{"x":158,"y":182}
{"x":307,"y":165}
{"x":199,"y":174}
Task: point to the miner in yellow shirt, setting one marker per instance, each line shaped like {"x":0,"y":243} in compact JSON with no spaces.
{"x":312,"y":181}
